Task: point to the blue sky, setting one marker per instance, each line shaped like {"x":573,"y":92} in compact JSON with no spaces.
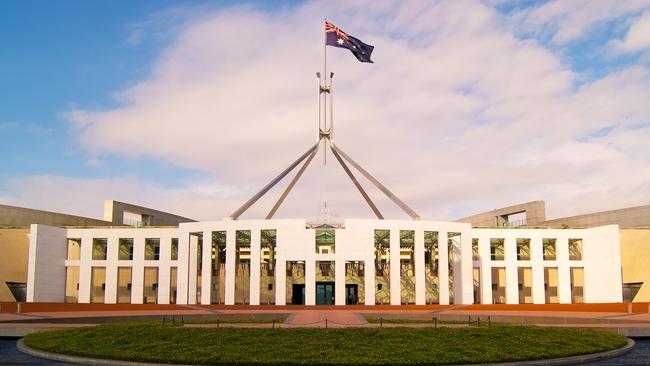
{"x":61,"y":54}
{"x":131,"y":100}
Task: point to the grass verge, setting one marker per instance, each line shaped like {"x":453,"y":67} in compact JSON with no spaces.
{"x":295,"y":346}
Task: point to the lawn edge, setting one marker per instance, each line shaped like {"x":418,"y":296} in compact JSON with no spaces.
{"x":20,"y":345}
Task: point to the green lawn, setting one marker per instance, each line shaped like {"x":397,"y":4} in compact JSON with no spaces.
{"x":368,"y":346}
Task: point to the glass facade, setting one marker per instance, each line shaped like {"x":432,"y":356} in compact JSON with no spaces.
{"x":382,"y":267}
{"x":242,"y":266}
{"x":407,"y":266}
{"x":431,"y":278}
{"x":124,"y":281}
{"x":268,"y":244}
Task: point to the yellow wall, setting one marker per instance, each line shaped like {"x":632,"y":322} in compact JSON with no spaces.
{"x":635,"y":259}
{"x":14,"y":252}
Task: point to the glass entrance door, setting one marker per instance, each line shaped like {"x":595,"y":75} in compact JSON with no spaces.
{"x":298,"y":294}
{"x":324,"y":293}
{"x":351,"y":294}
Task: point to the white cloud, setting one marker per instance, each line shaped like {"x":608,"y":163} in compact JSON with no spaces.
{"x":637,"y":37}
{"x":566,"y":21}
{"x":456,"y":115}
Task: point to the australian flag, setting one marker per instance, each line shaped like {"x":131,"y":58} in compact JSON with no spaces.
{"x":337,"y":38}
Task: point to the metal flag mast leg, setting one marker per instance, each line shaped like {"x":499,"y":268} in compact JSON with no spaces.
{"x":326,"y":135}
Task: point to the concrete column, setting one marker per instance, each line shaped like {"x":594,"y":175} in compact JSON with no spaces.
{"x":85,"y":269}
{"x":339,"y":282}
{"x":182,"y":273}
{"x":110,"y":296}
{"x":310,"y":282}
{"x":163,"y":270}
{"x":255,"y":268}
{"x":537,"y":264}
{"x":395,"y":288}
{"x":564,"y":276}
{"x":443,"y":268}
{"x":512,"y":278}
{"x":46,"y":263}
{"x":230,"y":267}
{"x":419,"y":268}
{"x":486,"y":270}
{"x":192,"y":270}
{"x":464,"y":281}
{"x":369,"y":277}
{"x":137,"y":273}
{"x":280,"y":281}
{"x":163,"y":282}
{"x":206,"y":268}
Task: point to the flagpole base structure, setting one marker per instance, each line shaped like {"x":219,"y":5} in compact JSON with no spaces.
{"x":334,"y":36}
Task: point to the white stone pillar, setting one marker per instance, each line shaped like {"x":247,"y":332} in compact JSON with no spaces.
{"x":395,"y":273}
{"x":182,"y":274}
{"x":280,"y":281}
{"x":163,"y":270}
{"x":563,"y":273}
{"x":310,"y":282}
{"x":137,"y":273}
{"x":255,"y":267}
{"x":206,"y":268}
{"x":339,"y":281}
{"x":537,"y":264}
{"x":419,"y":268}
{"x":443,"y":268}
{"x":464,"y":281}
{"x":485,"y":269}
{"x":230,"y":267}
{"x":192,"y":270}
{"x":85,"y":269}
{"x":110,"y":296}
{"x":369,"y":276}
{"x":510,"y":262}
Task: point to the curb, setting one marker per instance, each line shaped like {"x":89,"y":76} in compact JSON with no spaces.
{"x":20,"y":345}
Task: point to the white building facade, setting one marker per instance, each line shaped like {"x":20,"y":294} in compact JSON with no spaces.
{"x":279,"y":262}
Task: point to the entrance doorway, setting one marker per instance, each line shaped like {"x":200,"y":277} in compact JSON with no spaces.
{"x":298,"y":294}
{"x":324,"y":293}
{"x":351,"y":294}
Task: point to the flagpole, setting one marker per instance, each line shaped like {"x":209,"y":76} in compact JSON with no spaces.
{"x":325,"y":94}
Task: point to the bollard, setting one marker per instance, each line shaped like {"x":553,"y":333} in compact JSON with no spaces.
{"x":273,"y":323}
{"x":18,"y":308}
{"x":218,"y":325}
{"x":629,"y":308}
{"x":182,"y":321}
{"x":381,"y":322}
{"x":469,"y":320}
{"x":435,"y":322}
{"x":325,"y":323}
{"x":489,"y":322}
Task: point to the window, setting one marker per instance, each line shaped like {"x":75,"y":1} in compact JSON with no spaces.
{"x":174,"y":249}
{"x":382,"y":266}
{"x":575,"y":249}
{"x":126,"y":250}
{"x":497,"y":252}
{"x":151,"y":249}
{"x":475,"y":255}
{"x":325,"y":239}
{"x":74,"y":249}
{"x":99,"y":249}
{"x":549,"y":249}
{"x":523,"y":249}
{"x":431,"y":279}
